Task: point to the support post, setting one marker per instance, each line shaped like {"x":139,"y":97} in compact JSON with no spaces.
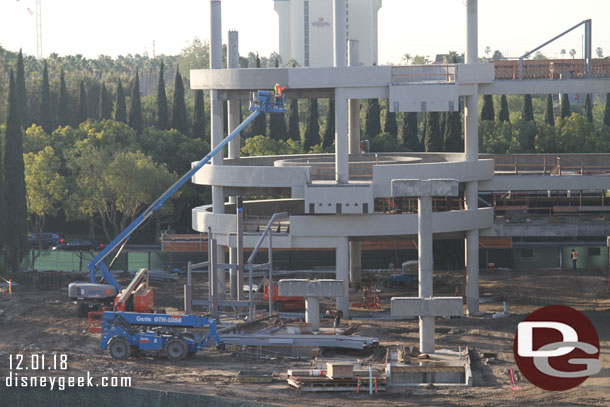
{"x":312,"y":312}
{"x":424,"y":235}
{"x":233,"y":63}
{"x":342,"y":273}
{"x":240,"y":248}
{"x":353,"y":108}
{"x":355,"y":263}
{"x":188,"y":299}
{"x":340,"y":32}
{"x":214,"y":277}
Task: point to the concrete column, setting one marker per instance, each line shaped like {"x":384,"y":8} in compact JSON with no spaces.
{"x":340,"y":32}
{"x":424,"y":235}
{"x":341,"y":140}
{"x":342,"y":260}
{"x":471,"y":144}
{"x":233,"y":63}
{"x":355,"y":263}
{"x":353,"y":108}
{"x":312,"y":312}
{"x":216,"y":123}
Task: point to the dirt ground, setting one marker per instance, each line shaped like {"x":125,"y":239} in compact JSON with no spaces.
{"x":45,"y":321}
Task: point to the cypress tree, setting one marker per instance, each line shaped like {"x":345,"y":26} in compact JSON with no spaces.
{"x":63,"y":112}
{"x":83,"y":114}
{"x":527,"y":111}
{"x":312,"y":126}
{"x":391,"y":126}
{"x":373,"y":124}
{"x":549,"y":116}
{"x":277,"y":127}
{"x":16,"y":244}
{"x":294,"y":130}
{"x":120,"y":113}
{"x":198,"y":116}
{"x":3,"y":219}
{"x":135,"y":111}
{"x":22,"y":97}
{"x":504,"y":115}
{"x":433,"y":140}
{"x":607,"y":110}
{"x":105,"y":104}
{"x":487,"y":113}
{"x":410,"y":138}
{"x":453,"y":133}
{"x":46,"y":118}
{"x":179,"y":106}
{"x":565,"y":106}
{"x":259,"y":125}
{"x":162,"y":108}
{"x":329,"y":130}
{"x":588,"y":108}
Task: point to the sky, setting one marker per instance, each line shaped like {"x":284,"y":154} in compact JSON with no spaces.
{"x":424,"y":27}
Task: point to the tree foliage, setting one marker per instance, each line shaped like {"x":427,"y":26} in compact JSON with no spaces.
{"x":565,"y":106}
{"x":16,"y":244}
{"x":162,"y":107}
{"x":262,"y":145}
{"x":46,"y":117}
{"x":453,"y":139}
{"x":607,"y":110}
{"x":487,"y":113}
{"x":199,"y":116}
{"x":372,"y":121}
{"x":410,"y":137}
{"x":135,"y":113}
{"x":527,"y":110}
{"x":179,"y":106}
{"x":329,"y":129}
{"x":390,"y":126}
{"x":433,"y":139}
{"x":22,"y":99}
{"x":105,"y":104}
{"x":504,"y":115}
{"x":63,"y":110}
{"x":311,"y":137}
{"x":294,"y":130}
{"x":120,"y":112}
{"x":588,"y":108}
{"x":549,"y":116}
{"x":83,"y":113}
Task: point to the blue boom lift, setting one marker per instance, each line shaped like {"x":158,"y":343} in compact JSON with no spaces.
{"x":93,"y":295}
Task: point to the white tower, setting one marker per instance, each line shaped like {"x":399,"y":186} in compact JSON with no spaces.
{"x":306,"y":30}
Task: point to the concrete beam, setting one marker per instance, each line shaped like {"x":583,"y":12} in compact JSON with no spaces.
{"x":428,"y":187}
{"x":427,"y":307}
{"x":310,"y":288}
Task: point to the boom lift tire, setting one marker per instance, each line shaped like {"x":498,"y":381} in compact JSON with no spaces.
{"x":175,"y":349}
{"x":119,"y":348}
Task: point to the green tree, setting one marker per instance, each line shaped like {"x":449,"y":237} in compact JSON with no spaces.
{"x":294,"y":130}
{"x":607,"y":110}
{"x":453,"y":133}
{"x":588,"y":108}
{"x":35,"y":139}
{"x":63,"y":111}
{"x":549,"y":116}
{"x":16,"y":244}
{"x":4,"y":235}
{"x":372,"y":122}
{"x":277,"y":126}
{"x":179,"y":121}
{"x":114,"y":186}
{"x":135,"y":113}
{"x":527,"y":110}
{"x":504,"y":115}
{"x":390,"y":126}
{"x":120,"y":113}
{"x":22,"y":96}
{"x":83,"y":113}
{"x":525,"y":131}
{"x":498,"y":138}
{"x":46,"y":117}
{"x":262,"y":145}
{"x":199,"y":116}
{"x":565,"y":106}
{"x":162,"y":108}
{"x":329,"y":130}
{"x":410,"y":138}
{"x":312,"y":126}
{"x":487,"y":112}
{"x":46,"y":188}
{"x":105,"y":104}
{"x":433,"y":140}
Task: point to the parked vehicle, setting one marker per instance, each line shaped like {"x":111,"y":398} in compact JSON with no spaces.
{"x":47,"y":239}
{"x":79,"y":245}
{"x":408,"y":275}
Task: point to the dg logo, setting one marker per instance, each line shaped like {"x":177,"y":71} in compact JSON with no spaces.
{"x":557,"y":348}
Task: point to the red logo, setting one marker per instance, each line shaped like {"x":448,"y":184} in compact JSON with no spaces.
{"x":320,"y":23}
{"x":557,"y":348}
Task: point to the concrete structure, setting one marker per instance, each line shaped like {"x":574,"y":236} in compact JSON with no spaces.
{"x":312,"y":290}
{"x":307,"y":29}
{"x":332,"y":196}
{"x":425,"y":306}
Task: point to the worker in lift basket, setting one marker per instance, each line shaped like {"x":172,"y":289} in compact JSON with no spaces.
{"x":574,"y":256}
